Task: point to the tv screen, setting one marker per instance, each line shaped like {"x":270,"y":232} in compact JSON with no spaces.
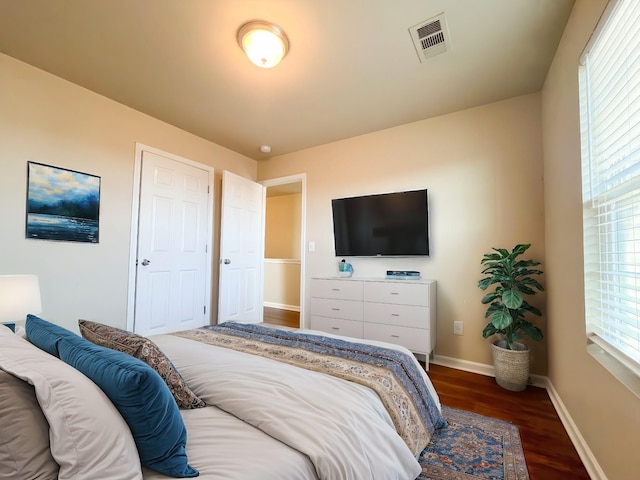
{"x":389,"y":224}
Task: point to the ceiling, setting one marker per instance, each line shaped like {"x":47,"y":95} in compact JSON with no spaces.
{"x":352,"y":68}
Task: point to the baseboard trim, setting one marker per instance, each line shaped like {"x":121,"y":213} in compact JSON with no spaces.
{"x":282,"y":306}
{"x":465,"y":365}
{"x":584,"y":452}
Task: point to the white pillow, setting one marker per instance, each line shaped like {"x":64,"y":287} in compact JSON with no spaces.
{"x":88,"y":437}
{"x":24,"y":433}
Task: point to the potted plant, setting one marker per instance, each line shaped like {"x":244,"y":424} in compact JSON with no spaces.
{"x":513,"y":278}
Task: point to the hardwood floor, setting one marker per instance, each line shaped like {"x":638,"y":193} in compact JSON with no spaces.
{"x":277,"y":316}
{"x":547,"y":448}
{"x":549,"y":453}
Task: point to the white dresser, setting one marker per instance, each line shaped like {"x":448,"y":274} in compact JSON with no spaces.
{"x":394,"y":311}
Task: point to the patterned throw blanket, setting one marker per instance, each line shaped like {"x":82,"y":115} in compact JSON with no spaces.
{"x":393,"y":375}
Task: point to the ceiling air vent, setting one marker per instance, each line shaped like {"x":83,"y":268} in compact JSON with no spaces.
{"x":430,"y":37}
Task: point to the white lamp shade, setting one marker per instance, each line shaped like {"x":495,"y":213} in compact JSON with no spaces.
{"x":19,"y":295}
{"x":264,"y":43}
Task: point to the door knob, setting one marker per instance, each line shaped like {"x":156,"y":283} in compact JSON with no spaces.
{"x":145,"y":262}
{"x":227,"y":261}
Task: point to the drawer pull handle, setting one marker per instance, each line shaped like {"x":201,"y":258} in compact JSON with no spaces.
{"x":395,"y":293}
{"x":395,"y":314}
{"x":395,"y":336}
{"x":335,"y":289}
{"x":335,"y":309}
{"x":335,"y":328}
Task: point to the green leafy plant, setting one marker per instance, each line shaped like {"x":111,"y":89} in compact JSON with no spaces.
{"x":513,"y":278}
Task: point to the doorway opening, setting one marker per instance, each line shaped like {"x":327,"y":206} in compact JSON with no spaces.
{"x":284,"y":252}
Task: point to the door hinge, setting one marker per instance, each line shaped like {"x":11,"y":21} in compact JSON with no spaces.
{"x":205,"y":309}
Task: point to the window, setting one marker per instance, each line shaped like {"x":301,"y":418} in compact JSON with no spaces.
{"x":610,"y":131}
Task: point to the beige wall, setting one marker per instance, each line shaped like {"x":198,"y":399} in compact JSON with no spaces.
{"x":605,"y":412}
{"x":282,"y":232}
{"x":483,"y":169}
{"x":48,"y":120}
{"x":282,"y":284}
{"x":282,"y":242}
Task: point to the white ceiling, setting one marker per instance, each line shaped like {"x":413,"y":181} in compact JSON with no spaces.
{"x":352,"y":68}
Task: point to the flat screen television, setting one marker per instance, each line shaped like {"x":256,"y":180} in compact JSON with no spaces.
{"x":389,"y":224}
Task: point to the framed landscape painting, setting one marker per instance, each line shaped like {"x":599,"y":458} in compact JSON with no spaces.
{"x":62,"y":204}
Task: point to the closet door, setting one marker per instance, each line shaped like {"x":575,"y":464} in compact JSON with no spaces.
{"x":171,"y":276}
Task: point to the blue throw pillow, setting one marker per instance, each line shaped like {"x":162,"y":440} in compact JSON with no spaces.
{"x":143,"y":400}
{"x":46,"y":335}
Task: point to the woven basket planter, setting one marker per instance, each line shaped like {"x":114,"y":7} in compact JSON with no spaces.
{"x":512,"y":366}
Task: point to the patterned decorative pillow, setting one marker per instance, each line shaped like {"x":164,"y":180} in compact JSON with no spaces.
{"x":143,"y":349}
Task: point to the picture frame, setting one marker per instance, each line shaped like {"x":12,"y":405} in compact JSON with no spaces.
{"x":62,"y":204}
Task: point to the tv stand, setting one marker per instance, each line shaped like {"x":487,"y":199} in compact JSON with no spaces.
{"x":395,"y":311}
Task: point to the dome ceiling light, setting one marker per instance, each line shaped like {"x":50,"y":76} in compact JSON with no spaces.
{"x":264,"y":43}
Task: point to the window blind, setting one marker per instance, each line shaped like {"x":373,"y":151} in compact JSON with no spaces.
{"x":610,"y":128}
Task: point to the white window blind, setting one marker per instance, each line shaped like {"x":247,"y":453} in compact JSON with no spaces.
{"x":610,"y":127}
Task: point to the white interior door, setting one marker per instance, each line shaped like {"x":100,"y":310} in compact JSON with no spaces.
{"x":171,"y":276}
{"x":241,"y":250}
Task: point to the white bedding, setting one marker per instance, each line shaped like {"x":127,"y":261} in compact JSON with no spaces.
{"x":223,"y":447}
{"x":311,"y":425}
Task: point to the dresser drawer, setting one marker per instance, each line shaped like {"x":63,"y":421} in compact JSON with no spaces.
{"x":340,"y":289}
{"x":401,"y":315}
{"x":328,"y":307}
{"x":397,"y":293}
{"x":337,"y":326}
{"x":416,"y":340}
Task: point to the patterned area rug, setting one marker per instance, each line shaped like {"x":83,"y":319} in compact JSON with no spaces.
{"x":474,"y":447}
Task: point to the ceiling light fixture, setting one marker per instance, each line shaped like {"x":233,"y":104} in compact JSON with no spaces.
{"x":264,"y":43}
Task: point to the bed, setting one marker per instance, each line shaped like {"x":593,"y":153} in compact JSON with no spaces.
{"x":225,"y":402}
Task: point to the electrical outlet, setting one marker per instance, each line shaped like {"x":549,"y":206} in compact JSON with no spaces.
{"x":458,"y":328}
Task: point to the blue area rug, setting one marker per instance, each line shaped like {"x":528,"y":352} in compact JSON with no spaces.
{"x":474,"y":447}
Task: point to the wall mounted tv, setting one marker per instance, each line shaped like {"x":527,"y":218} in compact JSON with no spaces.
{"x":389,"y":224}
